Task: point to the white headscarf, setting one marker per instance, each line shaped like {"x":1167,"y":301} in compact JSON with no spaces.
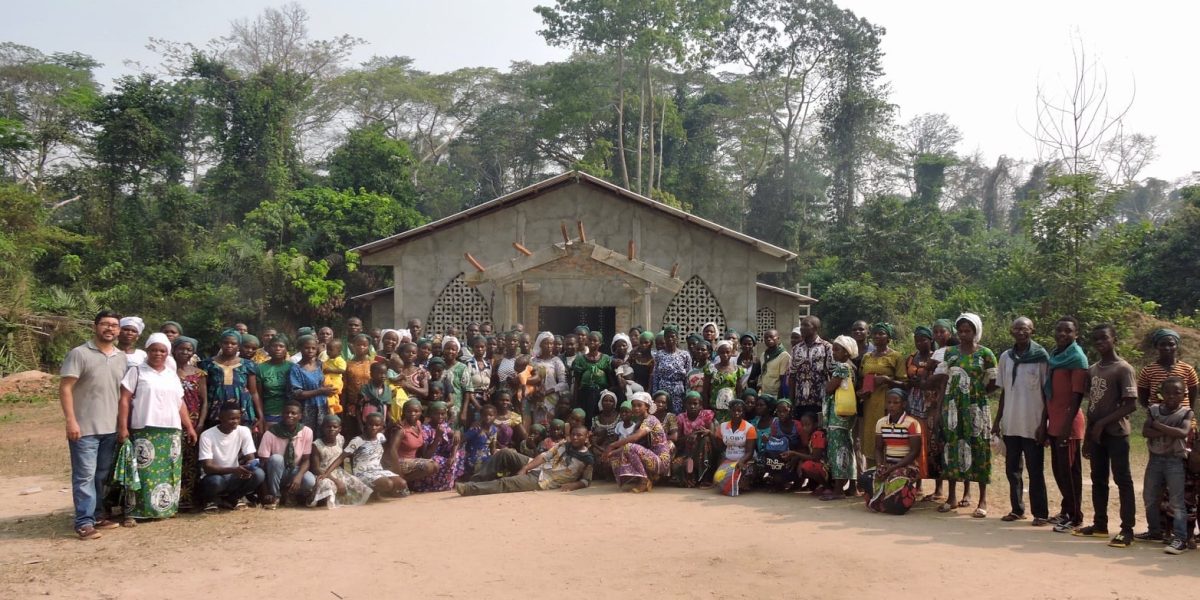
{"x":796,"y":330}
{"x":716,"y":329}
{"x":404,"y":334}
{"x":975,"y":321}
{"x":137,"y":323}
{"x":158,"y":338}
{"x":722,"y":343}
{"x":606,"y":393}
{"x":384,"y":333}
{"x":537,"y":344}
{"x":446,"y":341}
{"x":616,"y":338}
{"x":644,"y":398}
{"x":848,"y":343}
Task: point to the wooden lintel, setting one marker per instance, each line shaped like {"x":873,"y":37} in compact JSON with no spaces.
{"x":522,"y":249}
{"x":632,"y":250}
{"x":582,"y":234}
{"x":674,"y":270}
{"x":563,"y":226}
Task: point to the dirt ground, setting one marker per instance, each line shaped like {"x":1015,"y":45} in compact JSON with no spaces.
{"x":671,"y":543}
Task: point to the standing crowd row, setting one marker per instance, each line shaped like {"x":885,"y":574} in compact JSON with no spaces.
{"x":324,"y":420}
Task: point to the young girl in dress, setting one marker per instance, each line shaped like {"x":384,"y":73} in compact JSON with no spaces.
{"x":441,"y":446}
{"x":358,"y":374}
{"x":334,"y":368}
{"x":334,"y":485}
{"x":478,"y":438}
{"x":366,"y":454}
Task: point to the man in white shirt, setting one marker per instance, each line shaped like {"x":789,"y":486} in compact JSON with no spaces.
{"x":1022,"y":373}
{"x":227,"y":456}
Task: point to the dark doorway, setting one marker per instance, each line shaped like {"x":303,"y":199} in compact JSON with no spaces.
{"x":564,"y":319}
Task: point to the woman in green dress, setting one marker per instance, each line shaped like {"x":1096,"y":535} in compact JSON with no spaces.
{"x":969,"y":373}
{"x":593,"y":373}
{"x":273,"y":379}
{"x":723,"y":381}
{"x":839,"y":430}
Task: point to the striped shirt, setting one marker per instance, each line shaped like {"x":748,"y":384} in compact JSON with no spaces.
{"x":1152,"y":375}
{"x":895,"y":435}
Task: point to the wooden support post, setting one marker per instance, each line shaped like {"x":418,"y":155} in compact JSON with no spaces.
{"x":563,"y":226}
{"x":632,"y":250}
{"x":522,"y":249}
{"x":474,"y":263}
{"x":674,"y":270}
{"x":582,"y":235}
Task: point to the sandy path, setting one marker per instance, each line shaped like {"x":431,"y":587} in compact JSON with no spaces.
{"x":672,"y":544}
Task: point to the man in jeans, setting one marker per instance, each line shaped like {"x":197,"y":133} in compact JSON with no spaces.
{"x":1166,"y":430}
{"x":1112,"y":397}
{"x":89,"y":393}
{"x":1022,"y":374}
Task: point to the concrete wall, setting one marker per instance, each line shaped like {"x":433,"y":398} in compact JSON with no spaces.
{"x":787,"y":311}
{"x":423,"y":265}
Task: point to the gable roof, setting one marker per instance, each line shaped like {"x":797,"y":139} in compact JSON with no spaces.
{"x":554,"y":183}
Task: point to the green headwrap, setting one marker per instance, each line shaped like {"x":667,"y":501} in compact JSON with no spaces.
{"x":412,"y":403}
{"x":670,"y":329}
{"x":579,"y":412}
{"x":626,"y":405}
{"x":887,"y":328}
{"x":691,"y":394}
{"x":438,"y":361}
{"x":661,"y":393}
{"x":558,"y":423}
{"x":539,"y":428}
{"x":175,"y":324}
{"x":233,"y":333}
{"x":646,"y":336}
{"x":250,"y":338}
{"x":303,"y":331}
{"x":183,"y":339}
{"x":438,"y":405}
{"x":783,"y":402}
{"x":1162,"y":334}
{"x":946,"y":324}
{"x":924,"y":331}
{"x":282,"y":339}
{"x":751,"y":392}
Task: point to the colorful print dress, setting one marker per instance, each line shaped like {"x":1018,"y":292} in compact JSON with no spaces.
{"x":839,"y":443}
{"x":230,"y":383}
{"x":636,"y":460}
{"x":966,"y":423}
{"x":449,"y":463}
{"x":356,"y":492}
{"x":670,"y":375}
{"x":723,"y":388}
{"x":190,"y":474}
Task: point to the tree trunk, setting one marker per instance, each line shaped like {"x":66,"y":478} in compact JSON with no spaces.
{"x":621,"y":115}
{"x":650,"y":136}
{"x":641,"y":130}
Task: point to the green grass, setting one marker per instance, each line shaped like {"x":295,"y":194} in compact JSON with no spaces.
{"x":35,"y":398}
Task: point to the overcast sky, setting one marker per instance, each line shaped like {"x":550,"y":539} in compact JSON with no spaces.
{"x":978,"y":62}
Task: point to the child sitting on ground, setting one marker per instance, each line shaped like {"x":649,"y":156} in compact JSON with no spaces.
{"x":366,"y":455}
{"x":334,"y":485}
{"x":477,"y":438}
{"x":1167,"y":426}
{"x":333,"y":369}
{"x":532,"y":445}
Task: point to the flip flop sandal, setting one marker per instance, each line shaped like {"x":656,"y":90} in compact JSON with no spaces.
{"x":129,"y":523}
{"x":964,"y":503}
{"x":107,"y":524}
{"x":1010,"y":517}
{"x":980,"y":513}
{"x":1040,"y":522}
{"x":946,"y":507}
{"x":87,"y":532}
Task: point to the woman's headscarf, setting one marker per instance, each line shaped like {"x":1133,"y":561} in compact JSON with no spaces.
{"x":282,"y":338}
{"x":796,"y":330}
{"x":1162,"y":334}
{"x":885,"y":327}
{"x":303,"y":331}
{"x":670,"y":328}
{"x":404,"y":334}
{"x":383,"y":334}
{"x":579,"y":412}
{"x":233,"y":333}
{"x":646,"y":336}
{"x":716,"y":329}
{"x":174,"y":324}
{"x":437,"y":361}
{"x":783,"y":402}
{"x":606,"y":393}
{"x":900,"y":393}
{"x":135,"y":322}
{"x":616,"y":338}
{"x":448,"y":339}
{"x":249,"y":338}
{"x":644,"y":398}
{"x":331,"y":418}
{"x":692,"y":394}
{"x":848,"y":344}
{"x":975,"y":322}
{"x":537,"y":344}
{"x":159,"y":338}
{"x":626,"y":405}
{"x":411,"y":403}
{"x":581,"y":330}
{"x":944,"y":324}
{"x":183,"y":339}
{"x":753,"y":339}
{"x":923,"y":331}
{"x":438,"y":405}
{"x":724,"y":343}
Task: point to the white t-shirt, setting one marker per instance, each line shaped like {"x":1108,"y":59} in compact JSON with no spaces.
{"x":1022,"y":398}
{"x":737,"y":440}
{"x":157,"y":396}
{"x":225,"y":449}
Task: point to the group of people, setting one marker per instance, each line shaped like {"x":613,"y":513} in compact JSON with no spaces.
{"x":323,"y":420}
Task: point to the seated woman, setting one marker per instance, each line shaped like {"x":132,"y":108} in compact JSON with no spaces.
{"x":604,"y":431}
{"x":891,"y":487}
{"x":634,"y":463}
{"x":662,"y":402}
{"x":406,"y":441}
{"x":478,"y":437}
{"x":693,"y":461}
{"x":778,"y":446}
{"x":441,"y":447}
{"x":739,"y":438}
{"x":334,"y":485}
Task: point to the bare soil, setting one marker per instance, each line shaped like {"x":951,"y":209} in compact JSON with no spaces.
{"x":599,"y":542}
